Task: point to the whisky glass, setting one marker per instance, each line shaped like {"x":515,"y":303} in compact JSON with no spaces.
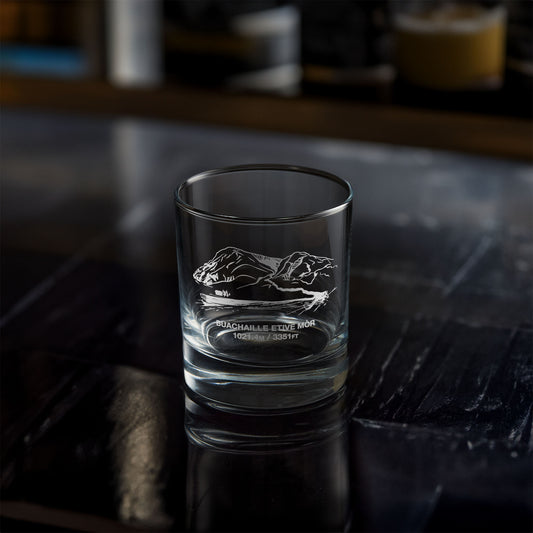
{"x":263,"y":264}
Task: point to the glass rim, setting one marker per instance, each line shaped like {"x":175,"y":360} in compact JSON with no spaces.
{"x":263,"y":220}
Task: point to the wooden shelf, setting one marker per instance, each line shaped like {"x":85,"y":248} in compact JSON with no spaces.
{"x":487,"y":135}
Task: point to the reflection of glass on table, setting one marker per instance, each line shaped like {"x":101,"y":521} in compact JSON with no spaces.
{"x":274,"y":472}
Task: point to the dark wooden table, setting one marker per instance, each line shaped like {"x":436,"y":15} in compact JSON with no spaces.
{"x":434,"y":432}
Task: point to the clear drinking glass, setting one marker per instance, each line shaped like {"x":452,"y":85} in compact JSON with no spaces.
{"x":263,"y":263}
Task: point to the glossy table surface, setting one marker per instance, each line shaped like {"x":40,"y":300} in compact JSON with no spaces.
{"x":434,"y":430}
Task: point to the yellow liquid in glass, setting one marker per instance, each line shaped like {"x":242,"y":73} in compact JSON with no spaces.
{"x":451,"y":47}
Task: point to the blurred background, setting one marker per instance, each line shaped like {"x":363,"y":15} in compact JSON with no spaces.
{"x":431,"y":55}
{"x":424,"y":106}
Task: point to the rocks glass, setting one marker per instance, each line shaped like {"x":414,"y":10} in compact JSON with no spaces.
{"x":263,"y":262}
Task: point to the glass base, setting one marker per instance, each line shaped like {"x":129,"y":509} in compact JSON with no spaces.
{"x":244,"y":386}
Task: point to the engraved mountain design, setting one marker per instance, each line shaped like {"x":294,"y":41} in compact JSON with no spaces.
{"x":238,"y":278}
{"x":304,"y":267}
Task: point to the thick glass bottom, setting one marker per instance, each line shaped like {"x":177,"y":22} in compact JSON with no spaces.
{"x":238,"y":385}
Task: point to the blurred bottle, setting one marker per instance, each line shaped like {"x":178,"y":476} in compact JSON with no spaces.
{"x":43,"y":38}
{"x":450,"y":45}
{"x":40,"y":22}
{"x":234,"y":43}
{"x":134,"y":36}
{"x":346,"y":48}
{"x":519,"y":65}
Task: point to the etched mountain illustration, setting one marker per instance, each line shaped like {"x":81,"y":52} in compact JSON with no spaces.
{"x":238,"y":278}
{"x":231,"y":264}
